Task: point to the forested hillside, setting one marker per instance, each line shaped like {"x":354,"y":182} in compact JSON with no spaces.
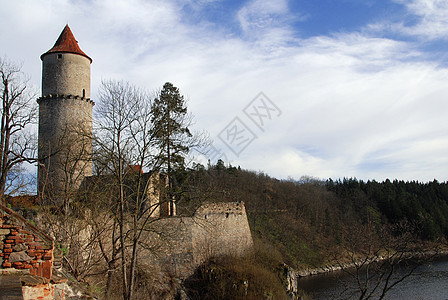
{"x":305,"y":224}
{"x":310,"y":221}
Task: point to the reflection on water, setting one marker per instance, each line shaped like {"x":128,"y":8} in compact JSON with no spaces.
{"x":429,"y":281}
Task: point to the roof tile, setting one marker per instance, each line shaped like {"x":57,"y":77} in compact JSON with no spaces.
{"x":66,"y":43}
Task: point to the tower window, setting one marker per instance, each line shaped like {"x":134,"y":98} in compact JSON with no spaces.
{"x":83,"y":93}
{"x":59,"y":56}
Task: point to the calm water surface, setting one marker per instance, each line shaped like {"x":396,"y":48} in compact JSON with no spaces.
{"x":430,"y":281}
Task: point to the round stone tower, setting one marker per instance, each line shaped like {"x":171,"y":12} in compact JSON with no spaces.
{"x":65,"y":120}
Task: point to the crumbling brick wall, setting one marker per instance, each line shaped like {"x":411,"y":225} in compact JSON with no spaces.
{"x":23,"y":246}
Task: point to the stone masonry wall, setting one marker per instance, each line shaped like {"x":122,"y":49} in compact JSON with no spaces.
{"x":65,"y":124}
{"x":66,"y":74}
{"x":172,"y":243}
{"x":182,"y":244}
{"x":23,"y":246}
{"x":65,"y":128}
{"x":220,"y":229}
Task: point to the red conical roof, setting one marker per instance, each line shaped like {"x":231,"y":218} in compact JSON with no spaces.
{"x":66,"y":43}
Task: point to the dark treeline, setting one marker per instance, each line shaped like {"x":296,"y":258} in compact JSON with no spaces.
{"x":422,"y":204}
{"x":310,"y":221}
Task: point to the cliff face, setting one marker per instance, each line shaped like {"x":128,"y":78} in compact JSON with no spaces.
{"x":181,"y":244}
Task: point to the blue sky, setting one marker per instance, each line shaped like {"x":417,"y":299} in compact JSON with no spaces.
{"x":353,"y":88}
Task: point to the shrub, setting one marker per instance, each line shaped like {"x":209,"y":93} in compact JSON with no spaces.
{"x":255,"y":276}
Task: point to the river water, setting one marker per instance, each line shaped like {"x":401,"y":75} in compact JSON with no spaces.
{"x":428,"y":282}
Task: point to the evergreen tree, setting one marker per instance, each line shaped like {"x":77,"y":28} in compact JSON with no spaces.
{"x":173,"y":137}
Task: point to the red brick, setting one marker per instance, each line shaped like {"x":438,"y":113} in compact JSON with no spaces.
{"x":7,"y":250}
{"x":19,"y":241}
{"x":39,"y":271}
{"x":46,"y":269}
{"x":28,"y":240}
{"x":33,"y":271}
{"x":6,"y":246}
{"x":17,"y":263}
{"x":48,"y":247}
{"x":9,"y":241}
{"x":28,"y":266}
{"x":7,"y":265}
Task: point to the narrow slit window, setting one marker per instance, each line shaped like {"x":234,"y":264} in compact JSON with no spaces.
{"x":83,"y":93}
{"x":59,"y":56}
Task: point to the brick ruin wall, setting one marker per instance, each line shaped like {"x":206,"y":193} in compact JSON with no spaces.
{"x":23,"y":247}
{"x":183,"y":243}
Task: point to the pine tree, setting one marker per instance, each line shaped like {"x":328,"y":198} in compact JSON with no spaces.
{"x":170,"y":122}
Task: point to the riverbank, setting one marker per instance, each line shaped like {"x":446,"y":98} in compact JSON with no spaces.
{"x":428,"y":281}
{"x":425,"y":256}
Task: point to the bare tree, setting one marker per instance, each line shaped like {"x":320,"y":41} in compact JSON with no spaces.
{"x":375,"y":254}
{"x":124,"y":144}
{"x":113,"y":213}
{"x":19,"y":111}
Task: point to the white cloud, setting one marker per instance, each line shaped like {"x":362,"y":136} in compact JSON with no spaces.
{"x":353,"y":104}
{"x":426,"y":19}
{"x":262,"y":14}
{"x":267,"y":23}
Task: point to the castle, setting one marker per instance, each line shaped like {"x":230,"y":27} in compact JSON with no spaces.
{"x":65,"y":148}
{"x":65,"y":118}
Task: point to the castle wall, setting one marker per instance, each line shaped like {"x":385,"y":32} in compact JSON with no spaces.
{"x":220,"y":229}
{"x":65,"y":74}
{"x":181,"y":244}
{"x":65,"y":128}
{"x":172,"y":246}
{"x":65,"y":124}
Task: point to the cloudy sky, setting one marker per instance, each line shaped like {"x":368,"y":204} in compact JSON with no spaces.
{"x":323,"y":88}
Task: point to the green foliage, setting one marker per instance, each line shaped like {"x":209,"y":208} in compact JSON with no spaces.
{"x":61,"y":248}
{"x":422,"y":204}
{"x":170,"y":119}
{"x":309,"y":221}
